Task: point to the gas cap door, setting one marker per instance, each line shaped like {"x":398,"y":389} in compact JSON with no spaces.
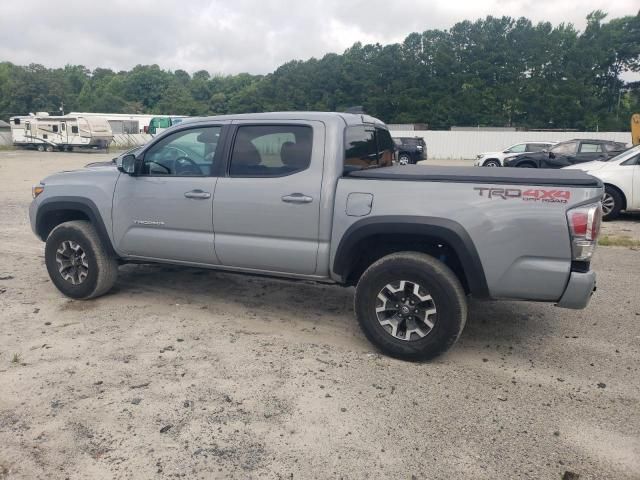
{"x":359,"y":204}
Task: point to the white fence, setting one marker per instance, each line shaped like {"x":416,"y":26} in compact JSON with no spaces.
{"x":467,"y":144}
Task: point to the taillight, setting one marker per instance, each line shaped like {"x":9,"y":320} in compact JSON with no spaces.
{"x":584,"y":225}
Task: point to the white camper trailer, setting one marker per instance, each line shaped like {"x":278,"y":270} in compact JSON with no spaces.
{"x":50,"y":133}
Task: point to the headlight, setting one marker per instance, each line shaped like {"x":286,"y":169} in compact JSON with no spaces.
{"x":37,"y":190}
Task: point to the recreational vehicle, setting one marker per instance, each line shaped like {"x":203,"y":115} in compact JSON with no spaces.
{"x":129,"y":123}
{"x":50,"y":133}
{"x":161,"y":123}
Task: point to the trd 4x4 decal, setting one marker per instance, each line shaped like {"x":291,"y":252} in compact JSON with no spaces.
{"x":529,"y":195}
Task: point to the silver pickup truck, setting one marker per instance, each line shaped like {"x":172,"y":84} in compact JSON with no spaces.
{"x":315,"y":196}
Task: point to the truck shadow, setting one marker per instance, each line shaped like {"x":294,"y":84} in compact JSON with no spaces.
{"x":310,"y":304}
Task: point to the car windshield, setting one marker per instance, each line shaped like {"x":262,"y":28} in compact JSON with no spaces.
{"x":626,"y":155}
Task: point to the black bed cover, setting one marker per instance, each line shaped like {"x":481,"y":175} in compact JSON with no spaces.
{"x":503,"y":175}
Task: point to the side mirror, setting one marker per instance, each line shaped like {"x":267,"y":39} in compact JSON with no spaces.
{"x":127,"y":164}
{"x":506,"y":151}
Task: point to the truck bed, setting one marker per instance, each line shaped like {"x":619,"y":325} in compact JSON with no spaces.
{"x":508,"y":176}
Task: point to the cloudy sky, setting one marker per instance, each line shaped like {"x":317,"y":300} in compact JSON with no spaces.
{"x":231,"y":36}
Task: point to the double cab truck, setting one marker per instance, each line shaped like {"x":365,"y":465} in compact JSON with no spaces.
{"x":315,"y":196}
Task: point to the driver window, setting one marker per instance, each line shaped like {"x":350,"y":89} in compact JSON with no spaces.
{"x":186,"y":153}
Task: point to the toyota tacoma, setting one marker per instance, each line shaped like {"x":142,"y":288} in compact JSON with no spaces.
{"x":315,"y":196}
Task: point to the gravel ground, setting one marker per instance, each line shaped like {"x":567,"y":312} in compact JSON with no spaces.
{"x":189,"y":373}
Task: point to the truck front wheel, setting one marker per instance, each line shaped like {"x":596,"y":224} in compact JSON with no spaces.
{"x":410,"y":305}
{"x":77,"y":261}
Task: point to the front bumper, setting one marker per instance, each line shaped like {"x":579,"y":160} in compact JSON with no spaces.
{"x":33,"y":210}
{"x":579,"y":290}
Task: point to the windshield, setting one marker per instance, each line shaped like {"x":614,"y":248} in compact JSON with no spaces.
{"x":626,"y":155}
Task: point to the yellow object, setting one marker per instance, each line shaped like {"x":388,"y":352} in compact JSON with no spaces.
{"x":635,"y":129}
{"x":37,"y":190}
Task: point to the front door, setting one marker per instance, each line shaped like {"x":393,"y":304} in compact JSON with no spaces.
{"x":266,"y":209}
{"x":165,"y":212}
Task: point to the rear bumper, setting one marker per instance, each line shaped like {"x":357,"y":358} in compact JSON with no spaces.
{"x":579,"y":290}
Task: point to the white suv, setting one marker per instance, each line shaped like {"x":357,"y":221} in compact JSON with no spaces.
{"x":496,"y":159}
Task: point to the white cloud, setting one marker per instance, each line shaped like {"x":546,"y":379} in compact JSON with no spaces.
{"x":254,"y":36}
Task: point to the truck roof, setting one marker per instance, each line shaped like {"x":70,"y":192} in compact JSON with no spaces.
{"x":347,"y":118}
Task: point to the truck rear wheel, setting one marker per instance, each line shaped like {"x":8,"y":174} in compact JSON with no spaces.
{"x":410,"y":305}
{"x":77,"y":261}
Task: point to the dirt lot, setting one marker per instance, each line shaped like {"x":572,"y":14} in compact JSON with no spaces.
{"x":190,"y":373}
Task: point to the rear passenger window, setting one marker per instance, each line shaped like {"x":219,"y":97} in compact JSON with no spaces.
{"x":367,"y":147}
{"x":590,"y":148}
{"x":271,"y":150}
{"x":386,"y":147}
{"x":361,"y":149}
{"x":536,"y":147}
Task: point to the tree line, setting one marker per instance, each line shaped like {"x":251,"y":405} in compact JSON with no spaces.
{"x":496,"y":71}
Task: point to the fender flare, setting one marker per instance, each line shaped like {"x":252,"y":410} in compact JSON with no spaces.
{"x":80,"y":204}
{"x":444,"y":229}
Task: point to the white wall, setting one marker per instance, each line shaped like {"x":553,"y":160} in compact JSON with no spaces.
{"x":468,"y":144}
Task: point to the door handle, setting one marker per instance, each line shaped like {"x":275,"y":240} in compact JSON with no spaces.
{"x":197,"y":194}
{"x":297,"y":198}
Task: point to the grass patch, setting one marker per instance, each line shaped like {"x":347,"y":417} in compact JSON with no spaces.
{"x":7,"y":148}
{"x":618,"y":241}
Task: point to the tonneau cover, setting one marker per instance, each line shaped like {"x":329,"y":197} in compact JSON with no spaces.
{"x":503,"y":175}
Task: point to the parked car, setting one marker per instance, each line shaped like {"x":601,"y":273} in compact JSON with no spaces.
{"x":621,"y":178}
{"x":568,"y":153}
{"x":410,"y":150}
{"x":307,"y":196}
{"x":496,"y":159}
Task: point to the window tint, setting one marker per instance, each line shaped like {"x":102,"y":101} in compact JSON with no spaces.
{"x":186,"y":153}
{"x":27,"y":126}
{"x":63,"y":126}
{"x":386,"y":147}
{"x":520,"y":148}
{"x":271,"y":150}
{"x":74,"y":129}
{"x":590,"y":147}
{"x":367,"y":147}
{"x":16,"y":121}
{"x":55,"y":128}
{"x":565,"y":148}
{"x":361,"y":149}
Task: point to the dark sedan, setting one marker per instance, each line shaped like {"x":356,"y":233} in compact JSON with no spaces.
{"x":568,"y":153}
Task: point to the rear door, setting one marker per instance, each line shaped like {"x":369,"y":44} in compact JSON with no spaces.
{"x":267,"y":208}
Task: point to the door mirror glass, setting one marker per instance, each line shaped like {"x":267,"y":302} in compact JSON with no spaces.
{"x":127,"y":164}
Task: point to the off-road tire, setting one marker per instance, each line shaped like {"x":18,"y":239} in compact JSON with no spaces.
{"x":437,"y":279}
{"x":618,"y":201}
{"x":102,"y":267}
